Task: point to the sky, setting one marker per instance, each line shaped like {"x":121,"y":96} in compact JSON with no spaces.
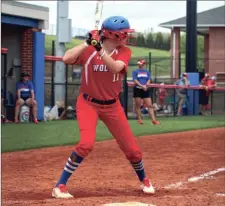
{"x":142,"y":15}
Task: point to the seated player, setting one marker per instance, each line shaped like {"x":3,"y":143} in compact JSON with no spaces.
{"x":25,"y":95}
{"x":161,"y":94}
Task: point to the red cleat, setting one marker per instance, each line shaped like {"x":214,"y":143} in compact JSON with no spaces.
{"x":140,"y":122}
{"x":155,"y":122}
{"x":35,"y":121}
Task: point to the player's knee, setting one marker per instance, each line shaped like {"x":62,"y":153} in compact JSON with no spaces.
{"x":134,"y":156}
{"x":150,"y":106}
{"x":84,"y":149}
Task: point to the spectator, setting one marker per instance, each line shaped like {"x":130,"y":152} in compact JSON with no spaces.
{"x":182,"y":92}
{"x":161,"y":94}
{"x":141,"y":78}
{"x":25,"y":95}
{"x":208,"y":85}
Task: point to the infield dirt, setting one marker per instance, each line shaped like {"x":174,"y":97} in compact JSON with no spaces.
{"x":106,"y":176}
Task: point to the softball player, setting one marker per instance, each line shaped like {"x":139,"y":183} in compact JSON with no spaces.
{"x":141,"y":78}
{"x":104,"y":66}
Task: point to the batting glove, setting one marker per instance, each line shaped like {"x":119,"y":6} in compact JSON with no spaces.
{"x":93,"y":39}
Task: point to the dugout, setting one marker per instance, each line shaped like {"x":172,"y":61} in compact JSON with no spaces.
{"x":210,"y":25}
{"x":23,"y":48}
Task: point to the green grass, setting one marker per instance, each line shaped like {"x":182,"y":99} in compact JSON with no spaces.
{"x":47,"y":134}
{"x":159,"y":57}
{"x":136,"y":51}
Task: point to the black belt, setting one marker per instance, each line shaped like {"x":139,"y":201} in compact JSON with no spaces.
{"x":106,"y":102}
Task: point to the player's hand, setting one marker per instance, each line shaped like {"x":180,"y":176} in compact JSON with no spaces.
{"x":144,"y":87}
{"x":93,"y":39}
{"x":92,"y":35}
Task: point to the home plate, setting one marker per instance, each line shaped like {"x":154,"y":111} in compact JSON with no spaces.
{"x":128,"y":204}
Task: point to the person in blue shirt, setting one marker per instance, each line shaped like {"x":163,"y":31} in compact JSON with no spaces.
{"x":25,"y":95}
{"x":182,"y":92}
{"x":141,"y":78}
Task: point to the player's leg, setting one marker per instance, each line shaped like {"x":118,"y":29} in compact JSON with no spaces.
{"x":138,"y":102}
{"x":33,"y":104}
{"x":19,"y":103}
{"x":148,"y":103}
{"x":87,"y":118}
{"x":116,"y":121}
{"x":181,"y":100}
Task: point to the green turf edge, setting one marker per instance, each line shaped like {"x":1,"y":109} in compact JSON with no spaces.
{"x":110,"y":138}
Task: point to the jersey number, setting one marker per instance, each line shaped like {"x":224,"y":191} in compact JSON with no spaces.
{"x":116,"y":77}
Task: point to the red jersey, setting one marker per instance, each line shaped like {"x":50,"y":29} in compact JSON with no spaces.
{"x":97,"y":81}
{"x":162,"y":93}
{"x":210,"y":84}
{"x":204,"y":81}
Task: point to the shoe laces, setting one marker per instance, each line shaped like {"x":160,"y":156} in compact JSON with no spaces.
{"x":146,"y":182}
{"x":63,"y":188}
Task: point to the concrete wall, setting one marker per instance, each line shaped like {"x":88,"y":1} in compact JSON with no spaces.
{"x":11,"y":38}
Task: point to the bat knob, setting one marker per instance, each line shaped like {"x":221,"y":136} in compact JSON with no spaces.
{"x":94,"y":42}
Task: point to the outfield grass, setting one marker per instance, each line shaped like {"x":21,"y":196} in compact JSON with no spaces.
{"x":47,"y":134}
{"x":136,"y":51}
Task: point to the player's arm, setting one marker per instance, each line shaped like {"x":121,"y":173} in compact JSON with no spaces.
{"x":71,"y":56}
{"x":149,"y":79}
{"x":116,"y":66}
{"x":186,"y":81}
{"x":134,"y":76}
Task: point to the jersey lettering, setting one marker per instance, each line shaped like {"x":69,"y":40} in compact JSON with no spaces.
{"x":116,"y":77}
{"x":100,"y":68}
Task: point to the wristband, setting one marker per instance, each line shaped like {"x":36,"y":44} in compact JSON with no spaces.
{"x":85,"y":43}
{"x":103,"y":53}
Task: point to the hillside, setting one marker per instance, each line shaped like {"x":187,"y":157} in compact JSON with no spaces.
{"x":160,"y":61}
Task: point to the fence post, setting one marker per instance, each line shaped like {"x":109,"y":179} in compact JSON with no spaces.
{"x":174,"y":102}
{"x":155,"y":73}
{"x":150,"y":61}
{"x":66,"y":86}
{"x":5,"y":79}
{"x":52,"y":76}
{"x":179,"y":71}
{"x":125,"y":94}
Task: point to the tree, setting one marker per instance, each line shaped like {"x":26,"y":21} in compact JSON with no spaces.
{"x":159,"y":41}
{"x":140,"y":40}
{"x":167,"y":40}
{"x":150,"y":41}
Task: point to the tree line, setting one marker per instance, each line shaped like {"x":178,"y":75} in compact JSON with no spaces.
{"x":162,"y":41}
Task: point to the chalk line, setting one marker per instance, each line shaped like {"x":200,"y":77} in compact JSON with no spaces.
{"x":195,"y":178}
{"x":128,"y":204}
{"x":220,"y":194}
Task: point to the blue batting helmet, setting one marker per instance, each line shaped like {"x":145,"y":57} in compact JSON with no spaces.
{"x":116,"y":23}
{"x":116,"y":27}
